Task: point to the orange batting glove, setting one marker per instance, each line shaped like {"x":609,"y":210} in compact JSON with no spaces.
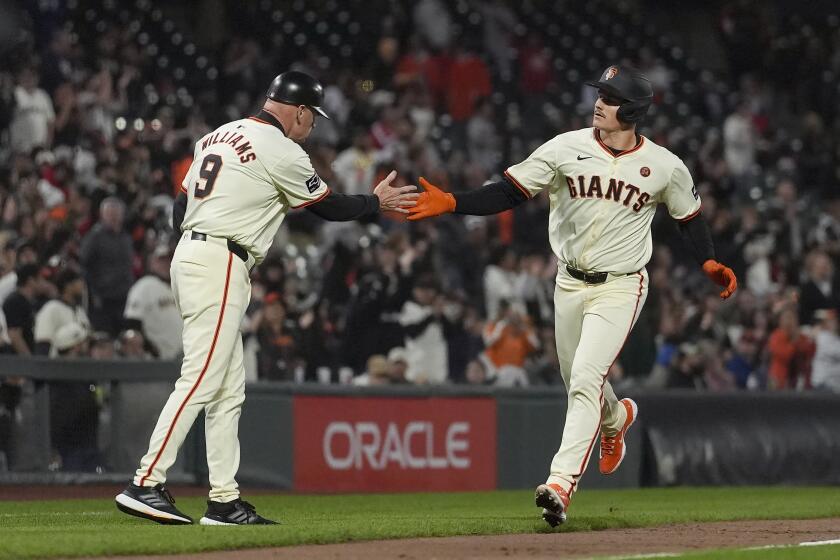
{"x":432,"y":202}
{"x":722,"y":276}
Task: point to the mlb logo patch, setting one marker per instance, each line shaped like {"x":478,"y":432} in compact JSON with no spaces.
{"x":313,"y":183}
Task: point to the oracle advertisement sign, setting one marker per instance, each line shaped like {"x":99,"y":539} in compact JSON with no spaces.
{"x":376,"y":444}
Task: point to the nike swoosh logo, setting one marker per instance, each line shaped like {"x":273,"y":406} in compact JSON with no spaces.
{"x":582,"y":158}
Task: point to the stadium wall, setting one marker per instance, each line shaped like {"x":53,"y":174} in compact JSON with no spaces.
{"x":322,"y":438}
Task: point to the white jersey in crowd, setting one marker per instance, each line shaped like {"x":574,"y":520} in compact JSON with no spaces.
{"x":426,"y":354}
{"x":601,"y":206}
{"x":245,"y":176}
{"x":825,"y":370}
{"x":31,"y":119}
{"x":4,"y":330}
{"x":54,"y":315}
{"x":8,"y":283}
{"x":150,"y":301}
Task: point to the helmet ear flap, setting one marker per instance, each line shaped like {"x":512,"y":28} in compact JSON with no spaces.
{"x":632,"y":111}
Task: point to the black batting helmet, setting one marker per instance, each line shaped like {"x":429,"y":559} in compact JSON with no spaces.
{"x":629,"y":85}
{"x":297,"y":88}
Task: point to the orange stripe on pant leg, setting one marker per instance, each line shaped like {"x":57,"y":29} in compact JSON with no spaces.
{"x":200,"y":376}
{"x":575,"y":477}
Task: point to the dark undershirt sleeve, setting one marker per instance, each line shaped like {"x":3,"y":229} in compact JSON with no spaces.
{"x":178,"y":212}
{"x":696,"y":235}
{"x":337,"y":207}
{"x":489,"y":199}
{"x":415,"y":330}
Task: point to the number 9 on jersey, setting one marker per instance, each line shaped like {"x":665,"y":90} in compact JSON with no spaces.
{"x":210,"y":168}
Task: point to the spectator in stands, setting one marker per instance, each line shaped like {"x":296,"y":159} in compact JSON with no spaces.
{"x":423,"y":323}
{"x":463,"y":333}
{"x":502,"y":281}
{"x":468,"y":81}
{"x":150,"y":308}
{"x":483,"y":141}
{"x":74,"y":409}
{"x":825,"y":371}
{"x":106,"y":256}
{"x":821,"y":290}
{"x":19,"y":309}
{"x":18,"y":253}
{"x":500,"y":24}
{"x":739,"y":139}
{"x":8,"y":278}
{"x":544,"y":369}
{"x":686,"y":368}
{"x":418,"y":66}
{"x":434,"y":23}
{"x":67,"y":308}
{"x":102,"y":346}
{"x":132,"y":344}
{"x":373,"y":315}
{"x":740,"y":363}
{"x":826,"y":234}
{"x":355,"y":166}
{"x":790,"y":353}
{"x":397,"y":366}
{"x":376,"y":372}
{"x":277,"y":357}
{"x":33,"y":120}
{"x":509,"y":341}
{"x":476,"y":373}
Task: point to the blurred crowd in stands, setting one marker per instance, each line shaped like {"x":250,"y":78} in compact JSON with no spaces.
{"x":100,"y":105}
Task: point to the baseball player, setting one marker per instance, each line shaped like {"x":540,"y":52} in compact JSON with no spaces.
{"x":150,"y":307}
{"x":603,"y":184}
{"x":246,"y":175}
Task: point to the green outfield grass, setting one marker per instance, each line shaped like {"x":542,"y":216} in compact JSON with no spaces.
{"x":95,"y":527}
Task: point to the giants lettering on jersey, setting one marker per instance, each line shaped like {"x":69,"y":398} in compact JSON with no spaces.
{"x":614,"y":189}
{"x":244,"y":151}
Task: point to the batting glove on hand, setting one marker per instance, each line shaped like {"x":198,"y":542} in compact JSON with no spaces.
{"x":432,"y":202}
{"x":722,"y":276}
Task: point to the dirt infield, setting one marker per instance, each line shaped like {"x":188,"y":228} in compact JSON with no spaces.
{"x":614,"y":542}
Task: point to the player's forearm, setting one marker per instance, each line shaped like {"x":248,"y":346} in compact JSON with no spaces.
{"x":178,"y":211}
{"x":337,"y":207}
{"x":489,"y":199}
{"x":696,"y":235}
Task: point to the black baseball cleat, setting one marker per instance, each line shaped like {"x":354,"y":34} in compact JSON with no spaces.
{"x":151,"y":502}
{"x":237,"y":512}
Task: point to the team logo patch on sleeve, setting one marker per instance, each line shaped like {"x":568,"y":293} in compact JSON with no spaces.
{"x":313,"y":183}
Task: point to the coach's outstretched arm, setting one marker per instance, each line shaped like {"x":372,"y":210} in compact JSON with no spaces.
{"x":337,"y":207}
{"x":489,"y":199}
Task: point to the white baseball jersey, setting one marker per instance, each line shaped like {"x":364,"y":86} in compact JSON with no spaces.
{"x":151,"y":301}
{"x":245,"y":176}
{"x":601,"y":206}
{"x":55,"y":314}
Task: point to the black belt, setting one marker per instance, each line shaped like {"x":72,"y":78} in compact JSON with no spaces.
{"x":233,"y":247}
{"x":587,"y":277}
